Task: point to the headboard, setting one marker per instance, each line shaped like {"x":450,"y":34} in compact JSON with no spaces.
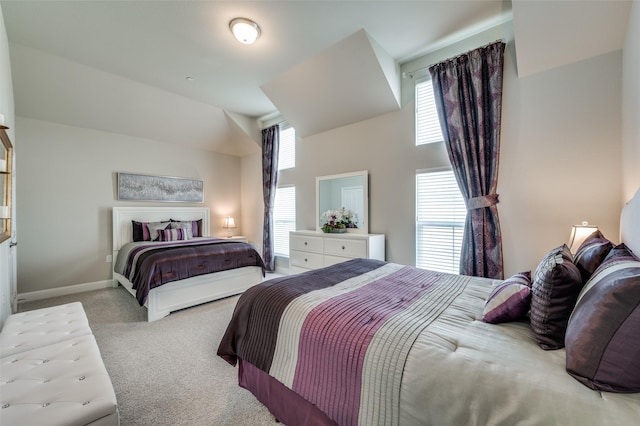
{"x":630,"y":224}
{"x":122,"y":217}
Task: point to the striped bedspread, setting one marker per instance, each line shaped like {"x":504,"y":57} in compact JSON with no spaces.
{"x":340,"y":336}
{"x":150,"y":264}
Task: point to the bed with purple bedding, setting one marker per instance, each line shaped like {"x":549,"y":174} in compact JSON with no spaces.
{"x":185,"y":268}
{"x":149,"y":264}
{"x":366,"y":342}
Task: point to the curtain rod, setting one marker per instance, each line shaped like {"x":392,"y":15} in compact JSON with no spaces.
{"x":410,"y":74}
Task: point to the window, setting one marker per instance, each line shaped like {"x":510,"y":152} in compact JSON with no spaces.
{"x":440,"y":216}
{"x":284,"y":219}
{"x":427,"y":124}
{"x":287,"y":152}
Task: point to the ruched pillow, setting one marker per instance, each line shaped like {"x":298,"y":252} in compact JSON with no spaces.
{"x":556,"y":285}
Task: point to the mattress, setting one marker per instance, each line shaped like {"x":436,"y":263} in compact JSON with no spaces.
{"x":454,"y":369}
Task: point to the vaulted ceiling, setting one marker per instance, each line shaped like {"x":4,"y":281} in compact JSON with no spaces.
{"x":122,"y":66}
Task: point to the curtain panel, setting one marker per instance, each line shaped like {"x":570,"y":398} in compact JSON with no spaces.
{"x":270,"y":148}
{"x":468,"y":94}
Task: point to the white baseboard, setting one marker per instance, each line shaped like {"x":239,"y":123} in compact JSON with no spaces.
{"x":63,"y":291}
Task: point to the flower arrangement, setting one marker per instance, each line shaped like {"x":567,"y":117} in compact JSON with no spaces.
{"x":339,"y":220}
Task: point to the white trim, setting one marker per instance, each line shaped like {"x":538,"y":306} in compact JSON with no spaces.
{"x":434,"y":169}
{"x":270,"y":119}
{"x":64,"y":291}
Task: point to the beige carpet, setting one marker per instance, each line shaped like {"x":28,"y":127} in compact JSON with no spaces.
{"x":166,"y":372}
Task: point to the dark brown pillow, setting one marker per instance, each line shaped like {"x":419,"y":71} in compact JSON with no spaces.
{"x":556,"y":285}
{"x":591,"y":253}
{"x":603,"y":335}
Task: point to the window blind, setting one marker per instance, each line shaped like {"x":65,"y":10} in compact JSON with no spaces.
{"x":440,"y":216}
{"x":287,"y":152}
{"x":284,"y":219}
{"x":427,"y":124}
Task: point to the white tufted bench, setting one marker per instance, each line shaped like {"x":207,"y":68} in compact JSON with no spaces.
{"x":51,"y":371}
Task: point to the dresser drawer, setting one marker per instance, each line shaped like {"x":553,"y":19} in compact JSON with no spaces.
{"x":345,"y":247}
{"x":305,"y":243}
{"x":306,"y":259}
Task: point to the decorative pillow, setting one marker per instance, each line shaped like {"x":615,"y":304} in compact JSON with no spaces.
{"x":603,"y":335}
{"x":591,"y":253}
{"x":186,"y":226}
{"x":510,"y":300}
{"x":138,"y":230}
{"x":172,"y":234}
{"x":619,"y":252}
{"x":556,"y":285}
{"x":141,"y":230}
{"x":195,"y":225}
{"x":154,"y":227}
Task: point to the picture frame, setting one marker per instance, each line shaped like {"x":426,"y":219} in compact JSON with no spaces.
{"x":137,"y":187}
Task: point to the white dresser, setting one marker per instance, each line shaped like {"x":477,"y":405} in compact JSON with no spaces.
{"x":312,"y":249}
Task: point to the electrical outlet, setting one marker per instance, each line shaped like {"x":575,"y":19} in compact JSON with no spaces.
{"x":109,"y":258}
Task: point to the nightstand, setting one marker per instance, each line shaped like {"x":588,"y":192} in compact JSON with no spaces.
{"x":240,"y":238}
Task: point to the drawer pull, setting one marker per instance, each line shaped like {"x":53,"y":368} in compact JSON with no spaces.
{"x":305,"y":243}
{"x":305,"y":259}
{"x":342,"y":247}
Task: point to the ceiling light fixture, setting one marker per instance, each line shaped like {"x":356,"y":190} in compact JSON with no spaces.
{"x":245,"y":30}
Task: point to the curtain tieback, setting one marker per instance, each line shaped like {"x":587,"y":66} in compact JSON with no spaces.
{"x":482,"y":202}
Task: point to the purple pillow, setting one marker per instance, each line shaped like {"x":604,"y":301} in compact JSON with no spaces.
{"x":556,"y":285}
{"x":138,"y":231}
{"x":591,"y":253}
{"x":172,"y":234}
{"x":603,"y":335}
{"x":510,"y":300}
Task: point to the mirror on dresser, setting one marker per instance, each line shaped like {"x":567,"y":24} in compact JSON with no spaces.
{"x":348,"y":190}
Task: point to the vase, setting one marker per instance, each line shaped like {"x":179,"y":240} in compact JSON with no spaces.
{"x":338,"y":231}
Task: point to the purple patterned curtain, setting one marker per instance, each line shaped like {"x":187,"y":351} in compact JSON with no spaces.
{"x":468,"y":93}
{"x":270,"y":148}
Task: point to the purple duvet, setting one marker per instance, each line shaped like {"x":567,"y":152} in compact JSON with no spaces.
{"x":150,"y":264}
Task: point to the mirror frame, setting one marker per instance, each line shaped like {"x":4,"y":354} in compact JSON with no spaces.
{"x":363,"y":228}
{"x":5,"y":230}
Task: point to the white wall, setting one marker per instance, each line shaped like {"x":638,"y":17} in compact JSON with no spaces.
{"x":631,"y":106}
{"x":7,"y":109}
{"x":560,"y":157}
{"x":560,"y":162}
{"x":252,"y":204}
{"x":67,"y":187}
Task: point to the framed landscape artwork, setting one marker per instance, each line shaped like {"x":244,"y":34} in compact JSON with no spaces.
{"x":136,"y":187}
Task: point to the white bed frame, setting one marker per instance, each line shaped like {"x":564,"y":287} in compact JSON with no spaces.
{"x":181,"y":294}
{"x":630,"y":224}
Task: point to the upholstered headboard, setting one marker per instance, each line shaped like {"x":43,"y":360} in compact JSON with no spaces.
{"x":630,"y":224}
{"x":122,"y":217}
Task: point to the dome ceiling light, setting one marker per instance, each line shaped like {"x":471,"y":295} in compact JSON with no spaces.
{"x":244,"y":30}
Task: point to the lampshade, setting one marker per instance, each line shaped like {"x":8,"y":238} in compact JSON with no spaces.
{"x":244,"y":30}
{"x":579,"y":233}
{"x":4,"y":212}
{"x":229,"y":223}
